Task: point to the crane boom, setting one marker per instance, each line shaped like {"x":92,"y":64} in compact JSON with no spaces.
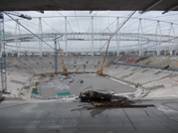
{"x":63,"y":65}
{"x":100,"y":72}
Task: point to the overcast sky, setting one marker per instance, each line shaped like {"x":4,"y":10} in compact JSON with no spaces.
{"x":80,"y":21}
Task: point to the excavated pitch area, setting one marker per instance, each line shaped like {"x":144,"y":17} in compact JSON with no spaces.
{"x":76,"y":83}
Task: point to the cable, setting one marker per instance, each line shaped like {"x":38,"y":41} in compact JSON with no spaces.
{"x":89,"y":26}
{"x":101,"y":16}
{"x":77,"y":19}
{"x":130,"y":25}
{"x":117,"y":29}
{"x":10,"y":27}
{"x":33,"y":27}
{"x":95,"y":14}
{"x":109,"y":25}
{"x":49,"y":26}
{"x":29,"y":30}
{"x":60,"y":13}
{"x":67,"y":20}
{"x":69,"y":25}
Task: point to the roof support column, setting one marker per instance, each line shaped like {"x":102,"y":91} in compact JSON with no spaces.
{"x":40,"y":32}
{"x":17,"y":39}
{"x":118,"y":39}
{"x":140,"y":42}
{"x":56,"y":56}
{"x":158,"y":43}
{"x":172,"y":47}
{"x":92,"y":36}
{"x":66,"y":35}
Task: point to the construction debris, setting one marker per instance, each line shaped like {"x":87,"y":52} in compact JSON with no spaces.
{"x":100,"y":99}
{"x":43,"y":75}
{"x":127,"y":104}
{"x":91,"y":95}
{"x":26,"y":86}
{"x":166,"y":67}
{"x":137,"y":85}
{"x":81,"y":81}
{"x":40,"y":97}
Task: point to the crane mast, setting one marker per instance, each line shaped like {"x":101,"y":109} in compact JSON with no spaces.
{"x":2,"y":48}
{"x":3,"y":56}
{"x":100,"y":72}
{"x":63,"y":65}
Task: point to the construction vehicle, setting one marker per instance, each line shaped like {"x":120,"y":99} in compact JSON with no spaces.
{"x":100,"y":72}
{"x":64,"y":68}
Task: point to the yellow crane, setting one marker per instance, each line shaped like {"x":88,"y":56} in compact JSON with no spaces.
{"x":64,"y":69}
{"x":100,"y":72}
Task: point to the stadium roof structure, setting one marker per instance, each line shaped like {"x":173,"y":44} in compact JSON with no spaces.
{"x":119,"y":5}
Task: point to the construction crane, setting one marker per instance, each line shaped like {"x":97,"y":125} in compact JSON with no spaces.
{"x":19,"y":15}
{"x":2,"y":47}
{"x":100,"y":72}
{"x":63,"y":65}
{"x":56,"y":56}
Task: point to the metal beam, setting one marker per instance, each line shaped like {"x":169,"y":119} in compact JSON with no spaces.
{"x":171,"y":8}
{"x":151,"y":6}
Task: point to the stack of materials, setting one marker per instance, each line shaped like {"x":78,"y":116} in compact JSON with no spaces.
{"x":104,"y":99}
